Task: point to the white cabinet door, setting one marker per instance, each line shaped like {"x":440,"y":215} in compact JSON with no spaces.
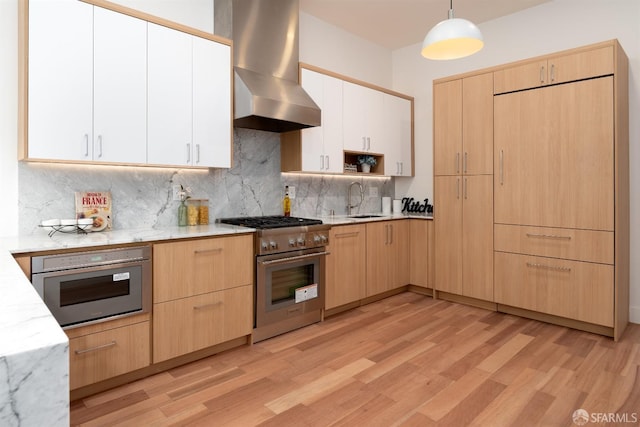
{"x":397,"y":152}
{"x":212,"y":141}
{"x":120,"y":88}
{"x":363,"y":118}
{"x":322,"y":145}
{"x":169,"y":140}
{"x":60,"y":80}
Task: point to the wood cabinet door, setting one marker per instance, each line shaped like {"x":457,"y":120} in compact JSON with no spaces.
{"x":346,"y":265}
{"x":398,"y":258}
{"x":169,"y":96}
{"x":477,"y":124}
{"x":523,"y":76}
{"x":194,"y":267}
{"x":377,"y":257}
{"x":60,"y":99}
{"x":448,"y":233}
{"x":120,"y":88}
{"x":477,"y":237}
{"x":581,"y":65}
{"x":447,"y":128}
{"x":212,"y":139}
{"x":554,"y":151}
{"x":190,"y":324}
{"x":419,"y":253}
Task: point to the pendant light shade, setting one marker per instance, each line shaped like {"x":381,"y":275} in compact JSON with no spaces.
{"x":451,"y":39}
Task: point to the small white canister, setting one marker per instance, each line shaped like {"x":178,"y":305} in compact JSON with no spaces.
{"x":397,"y":206}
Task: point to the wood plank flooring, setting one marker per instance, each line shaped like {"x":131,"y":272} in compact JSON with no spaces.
{"x":407,"y":360}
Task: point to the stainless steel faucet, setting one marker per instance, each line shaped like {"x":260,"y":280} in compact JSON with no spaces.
{"x":349,"y":205}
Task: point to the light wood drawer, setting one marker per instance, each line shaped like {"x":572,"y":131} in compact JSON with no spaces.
{"x":579,"y":245}
{"x":575,"y":290}
{"x":189,"y":324}
{"x":107,"y":354}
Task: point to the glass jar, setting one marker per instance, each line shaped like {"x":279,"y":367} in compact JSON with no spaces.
{"x":203,"y":212}
{"x":193,"y":206}
{"x":182,"y":214}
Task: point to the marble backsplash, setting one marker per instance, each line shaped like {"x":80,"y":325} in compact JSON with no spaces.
{"x":142,"y":197}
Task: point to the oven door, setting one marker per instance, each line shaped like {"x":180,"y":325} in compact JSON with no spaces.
{"x":89,"y":294}
{"x":289,"y":284}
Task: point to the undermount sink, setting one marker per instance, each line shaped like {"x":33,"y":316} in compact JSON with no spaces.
{"x":365,"y":216}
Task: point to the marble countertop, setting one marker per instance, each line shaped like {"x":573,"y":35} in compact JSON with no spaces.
{"x":368,"y":217}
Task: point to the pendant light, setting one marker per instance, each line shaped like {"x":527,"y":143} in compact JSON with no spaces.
{"x":452,"y":38}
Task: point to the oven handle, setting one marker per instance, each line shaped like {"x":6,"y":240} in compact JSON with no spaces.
{"x":294,"y":258}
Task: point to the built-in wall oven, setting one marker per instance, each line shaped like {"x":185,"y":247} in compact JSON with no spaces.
{"x":87,"y":287}
{"x":290,"y":272}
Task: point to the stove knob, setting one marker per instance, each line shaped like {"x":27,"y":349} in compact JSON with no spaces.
{"x":292,"y":243}
{"x":273,"y":245}
{"x":264,"y":246}
{"x":300,"y":241}
{"x":316,"y":239}
{"x":324,"y":238}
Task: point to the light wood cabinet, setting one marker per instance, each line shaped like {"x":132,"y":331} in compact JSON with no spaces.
{"x":463,"y":129}
{"x":185,"y":325}
{"x":203,"y":293}
{"x":463,"y":185}
{"x":346,"y":265}
{"x":562,"y":191}
{"x":80,"y":72}
{"x":188,"y":99}
{"x":421,"y":253}
{"x":108,"y":353}
{"x":561,"y":68}
{"x":387,"y":256}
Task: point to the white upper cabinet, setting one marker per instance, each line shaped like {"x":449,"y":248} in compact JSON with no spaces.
{"x":87,"y":83}
{"x":189,"y":105}
{"x":363,"y":119}
{"x":322,"y":145}
{"x":60,"y":80}
{"x":398,"y":154}
{"x":120,"y":92}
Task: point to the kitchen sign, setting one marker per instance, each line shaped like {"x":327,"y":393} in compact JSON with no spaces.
{"x":410,"y":205}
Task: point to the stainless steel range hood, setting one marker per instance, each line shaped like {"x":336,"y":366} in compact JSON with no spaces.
{"x":265,"y":40}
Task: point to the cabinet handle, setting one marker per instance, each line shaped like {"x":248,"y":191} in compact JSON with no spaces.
{"x":465,"y":184}
{"x":86,"y":145}
{"x":205,"y":306}
{"x":188,"y":153}
{"x":548,"y":236}
{"x":99,"y":146}
{"x":100,"y":347}
{"x":553,"y":73}
{"x":208,"y":251}
{"x":364,"y":143}
{"x":401,"y":168}
{"x":457,"y":162}
{"x":327,"y":162}
{"x":368,"y":143}
{"x":458,"y":188}
{"x":391,"y":234}
{"x":464,"y":161}
{"x":501,"y":167}
{"x":321,"y":162}
{"x":548,"y":267}
{"x":197,"y":153}
{"x":542,"y":74}
{"x":345,"y":235}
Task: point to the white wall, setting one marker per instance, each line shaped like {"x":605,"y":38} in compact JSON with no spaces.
{"x":194,"y":13}
{"x":8,"y":117}
{"x":550,"y":27}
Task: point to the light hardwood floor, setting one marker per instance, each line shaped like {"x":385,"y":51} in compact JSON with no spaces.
{"x":407,"y":360}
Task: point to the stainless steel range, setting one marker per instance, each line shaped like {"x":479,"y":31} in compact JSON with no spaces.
{"x":290,"y":282}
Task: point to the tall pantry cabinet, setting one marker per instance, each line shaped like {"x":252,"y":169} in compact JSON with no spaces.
{"x":463,"y":166}
{"x":561,"y":189}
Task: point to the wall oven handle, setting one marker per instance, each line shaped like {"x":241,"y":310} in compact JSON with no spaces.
{"x":100,"y":347}
{"x":293,"y":258}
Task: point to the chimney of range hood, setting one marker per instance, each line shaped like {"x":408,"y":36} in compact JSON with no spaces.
{"x":267,"y":95}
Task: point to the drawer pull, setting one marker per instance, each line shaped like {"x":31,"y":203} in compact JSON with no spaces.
{"x":205,"y":306}
{"x":548,"y":236}
{"x":344,"y":235}
{"x":100,"y":347}
{"x":207,"y":251}
{"x":548,"y":267}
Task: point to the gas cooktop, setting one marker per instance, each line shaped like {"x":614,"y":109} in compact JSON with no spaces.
{"x":268,"y":222}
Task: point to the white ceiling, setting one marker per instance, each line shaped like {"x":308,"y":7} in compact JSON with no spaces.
{"x":399,"y":23}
